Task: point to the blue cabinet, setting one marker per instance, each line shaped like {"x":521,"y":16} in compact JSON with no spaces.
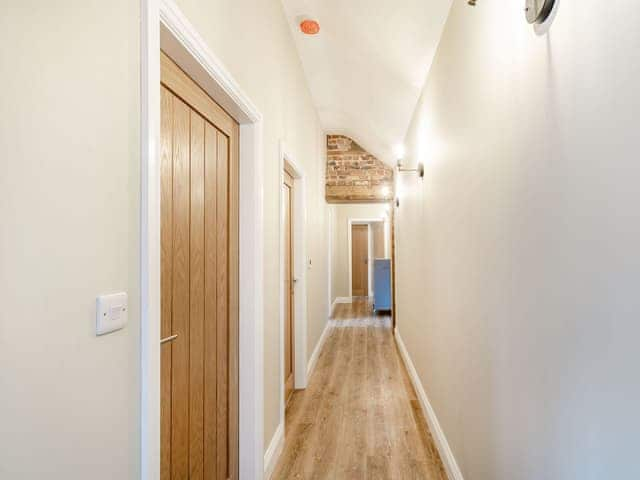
{"x":382,"y":284}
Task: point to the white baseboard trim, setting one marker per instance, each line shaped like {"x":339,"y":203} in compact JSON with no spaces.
{"x":316,"y":352}
{"x":343,"y":300}
{"x":449,"y":461}
{"x":274,"y":451}
{"x":332,"y":307}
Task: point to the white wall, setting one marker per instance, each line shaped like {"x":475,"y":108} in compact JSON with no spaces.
{"x":340,"y":248}
{"x":69,"y":193}
{"x":518,"y":265}
{"x":69,"y":190}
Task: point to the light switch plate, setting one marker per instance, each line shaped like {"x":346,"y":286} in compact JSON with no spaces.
{"x":111,"y":313}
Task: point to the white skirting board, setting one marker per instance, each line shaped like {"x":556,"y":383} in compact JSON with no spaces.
{"x":449,"y":461}
{"x":272,"y":455}
{"x":316,"y":352}
{"x":343,"y":300}
{"x":274,"y":451}
{"x":339,"y":300}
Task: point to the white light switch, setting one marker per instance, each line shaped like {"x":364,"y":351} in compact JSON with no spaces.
{"x":111,"y":313}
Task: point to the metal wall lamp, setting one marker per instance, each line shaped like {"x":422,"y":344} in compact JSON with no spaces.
{"x":399,"y":153}
{"x":536,"y":11}
{"x":419,"y":169}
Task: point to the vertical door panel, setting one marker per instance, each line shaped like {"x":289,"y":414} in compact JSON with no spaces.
{"x":210,"y":307}
{"x":222,"y":299}
{"x":196,"y":297}
{"x":166,"y":242}
{"x":180,"y":323}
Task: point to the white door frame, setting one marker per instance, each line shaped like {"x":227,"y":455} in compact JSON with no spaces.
{"x":368,"y":222}
{"x":299,"y":274}
{"x":330,"y":228}
{"x":164,"y":26}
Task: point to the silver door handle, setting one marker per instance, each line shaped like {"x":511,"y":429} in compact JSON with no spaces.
{"x":169,"y":339}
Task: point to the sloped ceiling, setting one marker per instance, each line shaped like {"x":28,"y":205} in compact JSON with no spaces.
{"x":367,"y":66}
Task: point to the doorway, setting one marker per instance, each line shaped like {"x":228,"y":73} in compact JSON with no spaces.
{"x":165,"y":28}
{"x":288,"y":286}
{"x":360,"y":260}
{"x":199,"y":289}
{"x":294,"y":264}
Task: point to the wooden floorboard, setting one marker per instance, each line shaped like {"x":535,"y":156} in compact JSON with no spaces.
{"x":359,"y":418}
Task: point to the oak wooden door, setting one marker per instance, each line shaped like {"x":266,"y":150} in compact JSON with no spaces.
{"x":289,"y":312}
{"x":360,"y":260}
{"x":199,"y":283}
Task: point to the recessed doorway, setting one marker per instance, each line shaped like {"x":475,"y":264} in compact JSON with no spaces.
{"x":288,"y":290}
{"x":293,"y":272}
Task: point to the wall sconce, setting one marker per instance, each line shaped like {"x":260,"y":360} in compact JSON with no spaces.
{"x":396,"y":200}
{"x":399,"y":151}
{"x":419,"y":169}
{"x":537,"y":11}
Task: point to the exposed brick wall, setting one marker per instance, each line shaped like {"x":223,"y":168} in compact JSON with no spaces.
{"x":353,"y":174}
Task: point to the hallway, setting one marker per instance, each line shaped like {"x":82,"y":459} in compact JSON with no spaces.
{"x":359,"y":418}
{"x":203,"y":202}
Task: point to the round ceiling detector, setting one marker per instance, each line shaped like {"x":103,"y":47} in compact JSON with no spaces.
{"x":309,"y":27}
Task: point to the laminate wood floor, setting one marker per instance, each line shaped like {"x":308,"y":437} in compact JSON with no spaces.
{"x":359,"y":418}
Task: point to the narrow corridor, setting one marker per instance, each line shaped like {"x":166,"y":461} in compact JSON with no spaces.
{"x":359,"y":418}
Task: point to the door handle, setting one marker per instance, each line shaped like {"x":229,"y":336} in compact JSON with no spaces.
{"x":168,"y":339}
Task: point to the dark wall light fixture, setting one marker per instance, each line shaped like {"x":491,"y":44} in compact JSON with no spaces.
{"x":536,"y":11}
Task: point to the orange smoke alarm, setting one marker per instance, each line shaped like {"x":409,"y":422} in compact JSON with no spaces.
{"x":309,"y":27}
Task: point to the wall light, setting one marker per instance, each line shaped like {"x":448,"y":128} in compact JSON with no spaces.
{"x":537,"y":11}
{"x":399,"y":153}
{"x":397,"y":189}
{"x":419,"y":169}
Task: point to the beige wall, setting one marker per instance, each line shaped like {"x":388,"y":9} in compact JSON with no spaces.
{"x":69,"y":187}
{"x":518,"y":265}
{"x":69,"y":204}
{"x":340,"y":246}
